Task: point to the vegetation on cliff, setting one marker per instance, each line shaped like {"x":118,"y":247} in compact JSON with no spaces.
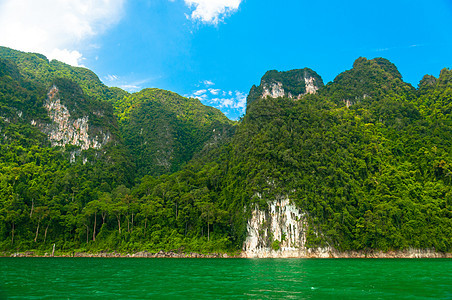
{"x":368,"y":158}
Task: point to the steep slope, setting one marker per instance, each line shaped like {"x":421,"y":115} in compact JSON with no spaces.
{"x":314,"y":177}
{"x":164,"y":130}
{"x":434,"y":96}
{"x":59,"y":148}
{"x":60,"y":110}
{"x":21,"y":101}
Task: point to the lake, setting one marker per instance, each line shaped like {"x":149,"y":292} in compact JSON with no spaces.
{"x":142,"y":278}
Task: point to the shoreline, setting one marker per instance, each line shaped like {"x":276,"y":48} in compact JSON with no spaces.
{"x":332,"y":253}
{"x":115,"y":254}
{"x":310,"y":254}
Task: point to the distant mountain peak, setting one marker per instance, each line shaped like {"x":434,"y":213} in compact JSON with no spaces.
{"x":292,"y":84}
{"x":371,"y":79}
{"x":380,"y":63}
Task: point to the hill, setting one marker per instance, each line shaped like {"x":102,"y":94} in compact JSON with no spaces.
{"x":164,"y":130}
{"x":360,"y":164}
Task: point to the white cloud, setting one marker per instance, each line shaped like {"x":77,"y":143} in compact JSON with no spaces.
{"x":238,"y":101}
{"x":130,"y":86}
{"x":73,"y":58}
{"x":232,"y":103}
{"x":199,"y":92}
{"x":111,"y":77}
{"x":55,"y":28}
{"x":212,"y":11}
{"x":208,"y":82}
{"x":241,"y":100}
{"x":214,"y":91}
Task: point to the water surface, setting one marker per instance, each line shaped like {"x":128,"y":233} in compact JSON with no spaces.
{"x":141,"y":278}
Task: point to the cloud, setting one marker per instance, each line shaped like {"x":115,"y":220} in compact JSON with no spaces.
{"x":212,"y":11}
{"x":208,"y":82}
{"x":238,"y":101}
{"x":131,"y":88}
{"x":73,"y":58}
{"x":232,"y":103}
{"x":214,"y":91}
{"x":111,"y":77}
{"x":199,"y":92}
{"x":56,"y":28}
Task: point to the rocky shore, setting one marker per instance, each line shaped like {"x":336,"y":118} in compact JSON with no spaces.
{"x":310,"y":253}
{"x":333,"y":253}
{"x":160,"y":254}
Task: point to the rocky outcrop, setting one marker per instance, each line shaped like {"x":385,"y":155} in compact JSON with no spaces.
{"x":68,"y":130}
{"x":279,"y":231}
{"x":273,"y":90}
{"x":311,"y":85}
{"x":292,"y":84}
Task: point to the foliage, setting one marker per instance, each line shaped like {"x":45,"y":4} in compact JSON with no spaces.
{"x":371,"y":173}
{"x":163,"y":130}
{"x":37,"y":68}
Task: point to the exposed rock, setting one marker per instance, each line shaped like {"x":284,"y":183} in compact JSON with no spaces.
{"x":67,"y":130}
{"x":279,"y":231}
{"x":293,"y":84}
{"x":142,"y":254}
{"x":311,"y":85}
{"x":273,"y":90}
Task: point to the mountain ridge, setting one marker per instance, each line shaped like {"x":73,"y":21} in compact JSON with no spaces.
{"x":364,"y":163}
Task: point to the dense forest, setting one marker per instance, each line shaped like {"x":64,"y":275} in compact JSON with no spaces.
{"x":368,"y":158}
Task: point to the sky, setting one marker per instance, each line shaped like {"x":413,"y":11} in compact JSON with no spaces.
{"x":215,"y":50}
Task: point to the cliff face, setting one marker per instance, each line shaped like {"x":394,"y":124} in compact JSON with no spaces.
{"x":68,"y":130}
{"x":279,"y":231}
{"x":293,"y":84}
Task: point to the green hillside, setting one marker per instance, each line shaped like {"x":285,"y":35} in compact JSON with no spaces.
{"x":37,"y":68}
{"x":367,"y":158}
{"x":164,"y":130}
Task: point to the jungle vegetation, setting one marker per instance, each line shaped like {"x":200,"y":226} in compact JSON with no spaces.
{"x":368,"y":158}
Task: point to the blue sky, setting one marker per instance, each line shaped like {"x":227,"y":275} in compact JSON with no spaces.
{"x":216,"y":50}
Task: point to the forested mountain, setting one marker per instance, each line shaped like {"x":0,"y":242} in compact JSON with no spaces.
{"x":366,"y":158}
{"x":163,"y":130}
{"x":37,"y":68}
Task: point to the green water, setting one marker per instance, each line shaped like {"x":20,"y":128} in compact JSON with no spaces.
{"x":140,"y":278}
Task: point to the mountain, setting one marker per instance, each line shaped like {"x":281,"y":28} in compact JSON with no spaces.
{"x":359,"y":165}
{"x":37,"y":68}
{"x":368,"y":79}
{"x":292,"y":84}
{"x":163,"y":130}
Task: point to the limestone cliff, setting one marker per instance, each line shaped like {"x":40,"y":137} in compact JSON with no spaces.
{"x":279,"y":231}
{"x":292,"y":84}
{"x":67,"y":129}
